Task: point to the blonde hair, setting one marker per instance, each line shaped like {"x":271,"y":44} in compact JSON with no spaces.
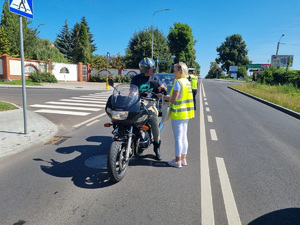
{"x":184,"y":69}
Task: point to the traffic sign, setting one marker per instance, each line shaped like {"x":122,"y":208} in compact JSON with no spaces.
{"x":108,"y":56}
{"x":21,"y":7}
{"x":258,"y":66}
{"x":163,"y":60}
{"x":233,"y":68}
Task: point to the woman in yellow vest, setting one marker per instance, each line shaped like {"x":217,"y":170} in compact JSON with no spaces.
{"x":182,"y":109}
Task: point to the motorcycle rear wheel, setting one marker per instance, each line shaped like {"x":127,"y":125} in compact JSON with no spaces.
{"x":116,"y":163}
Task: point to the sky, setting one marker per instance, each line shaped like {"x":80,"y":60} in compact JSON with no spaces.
{"x":261,"y":23}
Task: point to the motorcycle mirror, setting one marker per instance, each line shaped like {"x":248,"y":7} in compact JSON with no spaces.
{"x":111,"y":82}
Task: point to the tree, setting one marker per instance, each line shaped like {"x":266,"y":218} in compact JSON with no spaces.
{"x":212,"y":73}
{"x":10,"y":24}
{"x":81,"y":50}
{"x":4,"y":43}
{"x":140,"y":46}
{"x":233,"y":52}
{"x":181,"y":43}
{"x":90,"y":35}
{"x":99,"y":62}
{"x":64,"y":42}
{"x":45,"y":50}
{"x":117,"y":62}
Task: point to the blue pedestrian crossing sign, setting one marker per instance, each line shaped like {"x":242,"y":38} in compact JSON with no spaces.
{"x":22,"y":7}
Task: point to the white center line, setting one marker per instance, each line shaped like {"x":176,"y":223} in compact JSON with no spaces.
{"x":207,"y":211}
{"x":213,"y":135}
{"x":232,"y":213}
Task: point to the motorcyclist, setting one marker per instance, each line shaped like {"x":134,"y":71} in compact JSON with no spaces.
{"x":142,"y":80}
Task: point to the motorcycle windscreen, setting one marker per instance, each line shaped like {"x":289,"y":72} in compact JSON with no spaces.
{"x":124,"y":96}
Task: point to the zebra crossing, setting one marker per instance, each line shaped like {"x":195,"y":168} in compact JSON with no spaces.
{"x":76,"y":106}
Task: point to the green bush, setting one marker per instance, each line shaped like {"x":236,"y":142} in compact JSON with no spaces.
{"x":43,"y":78}
{"x":274,"y":76}
{"x":116,"y":79}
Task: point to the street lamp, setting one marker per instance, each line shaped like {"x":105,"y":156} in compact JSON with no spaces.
{"x":152,"y":26}
{"x":278,"y":44}
{"x":36,"y":29}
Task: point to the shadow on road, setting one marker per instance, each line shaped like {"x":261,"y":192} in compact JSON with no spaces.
{"x":289,"y":216}
{"x":82,"y":176}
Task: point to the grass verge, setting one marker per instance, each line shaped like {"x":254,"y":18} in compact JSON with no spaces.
{"x":19,"y":82}
{"x":284,"y":95}
{"x":4,"y":106}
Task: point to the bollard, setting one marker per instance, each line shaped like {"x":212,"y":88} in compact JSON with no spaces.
{"x":107,"y":86}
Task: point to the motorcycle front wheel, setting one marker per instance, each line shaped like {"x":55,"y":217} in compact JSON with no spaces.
{"x":116,"y":161}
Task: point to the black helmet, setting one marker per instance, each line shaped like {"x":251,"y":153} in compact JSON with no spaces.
{"x":146,"y":63}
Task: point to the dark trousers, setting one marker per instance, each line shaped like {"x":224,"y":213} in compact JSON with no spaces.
{"x":194,"y":97}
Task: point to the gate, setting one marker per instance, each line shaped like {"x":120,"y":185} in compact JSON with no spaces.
{"x":84,"y":73}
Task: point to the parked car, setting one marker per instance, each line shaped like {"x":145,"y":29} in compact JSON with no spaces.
{"x":167,"y":79}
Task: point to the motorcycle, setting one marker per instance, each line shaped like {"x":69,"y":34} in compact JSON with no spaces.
{"x":132,"y":132}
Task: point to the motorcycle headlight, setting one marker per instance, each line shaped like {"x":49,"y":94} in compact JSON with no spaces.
{"x":142,"y":118}
{"x":119,"y":115}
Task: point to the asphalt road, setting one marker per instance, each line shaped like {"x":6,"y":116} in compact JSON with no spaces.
{"x":73,"y":106}
{"x":243,"y":168}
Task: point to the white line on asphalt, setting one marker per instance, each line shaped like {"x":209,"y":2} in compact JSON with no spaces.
{"x":65,"y":107}
{"x":89,"y":120}
{"x":209,"y":119}
{"x":92,"y":123}
{"x":213,"y":135}
{"x":62,"y":112}
{"x":205,"y":103}
{"x":229,"y":201}
{"x":207,"y":109}
{"x":71,"y":100}
{"x":207,"y":211}
{"x":78,"y":104}
{"x":88,"y":98}
{"x":204,"y":99}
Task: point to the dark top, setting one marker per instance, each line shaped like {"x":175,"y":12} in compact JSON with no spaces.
{"x":143,"y":82}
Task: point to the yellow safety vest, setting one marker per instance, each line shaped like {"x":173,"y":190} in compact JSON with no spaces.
{"x":194,"y":81}
{"x":183,"y":108}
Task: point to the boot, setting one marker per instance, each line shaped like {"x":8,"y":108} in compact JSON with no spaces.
{"x":157,"y":150}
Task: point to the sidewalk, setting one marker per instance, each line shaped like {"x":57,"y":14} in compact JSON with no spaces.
{"x":39,"y":129}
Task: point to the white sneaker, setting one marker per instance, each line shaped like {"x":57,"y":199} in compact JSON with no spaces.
{"x":174,"y":163}
{"x":183,"y":162}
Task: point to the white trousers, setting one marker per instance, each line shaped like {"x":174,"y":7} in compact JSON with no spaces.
{"x":180,"y":136}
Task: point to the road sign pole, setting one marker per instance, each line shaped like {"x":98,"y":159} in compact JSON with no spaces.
{"x":23,"y":75}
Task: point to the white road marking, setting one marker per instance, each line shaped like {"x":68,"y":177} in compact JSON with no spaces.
{"x":229,"y":201}
{"x":88,"y":98}
{"x":89,"y":120}
{"x":65,"y":107}
{"x":71,"y":100}
{"x":92,"y":123}
{"x":78,"y":104}
{"x":62,"y":112}
{"x":213,"y":135}
{"x":207,"y":211}
{"x":205,"y":103}
{"x":209,"y":119}
{"x":207,"y":109}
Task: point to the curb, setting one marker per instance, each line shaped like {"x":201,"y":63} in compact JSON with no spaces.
{"x":275,"y":106}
